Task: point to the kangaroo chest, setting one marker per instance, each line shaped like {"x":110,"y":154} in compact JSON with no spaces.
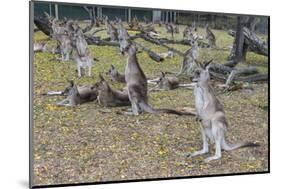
{"x":199,"y":100}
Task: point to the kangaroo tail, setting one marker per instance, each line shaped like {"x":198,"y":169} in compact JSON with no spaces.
{"x":176,"y":112}
{"x":147,"y":108}
{"x":229,"y":147}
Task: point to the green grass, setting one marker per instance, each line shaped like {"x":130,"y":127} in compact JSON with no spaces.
{"x":82,"y":144}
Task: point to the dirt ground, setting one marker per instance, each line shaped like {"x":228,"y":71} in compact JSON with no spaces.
{"x":90,"y":143}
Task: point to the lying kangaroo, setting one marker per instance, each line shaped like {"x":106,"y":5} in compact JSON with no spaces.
{"x":78,"y":95}
{"x":109,"y":97}
{"x":212,"y":116}
{"x":136,"y":81}
{"x":115,"y":75}
{"x":169,"y":83}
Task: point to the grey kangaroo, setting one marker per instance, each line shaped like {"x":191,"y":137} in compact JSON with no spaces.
{"x":212,"y":116}
{"x":83,"y":62}
{"x":81,"y":43}
{"x":115,"y":75}
{"x":188,"y":33}
{"x":210,"y":37}
{"x":78,"y":95}
{"x":170,"y":29}
{"x":111,"y":30}
{"x":64,"y":42}
{"x":188,"y":64}
{"x":136,"y":81}
{"x":109,"y":97}
{"x":169,"y":83}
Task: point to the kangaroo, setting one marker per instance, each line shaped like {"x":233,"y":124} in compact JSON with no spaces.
{"x":78,"y":95}
{"x":83,"y":62}
{"x":176,"y":28}
{"x":81,"y":43}
{"x":166,"y":83}
{"x":170,"y":29}
{"x":109,"y":97}
{"x":188,"y":33}
{"x":64,"y":42}
{"x":188,"y":64}
{"x":169,"y":83}
{"x":111,"y":31}
{"x":115,"y":75}
{"x":136,"y":81}
{"x":212,"y":116}
{"x":57,"y":28}
{"x":64,"y":46}
{"x":210,"y":37}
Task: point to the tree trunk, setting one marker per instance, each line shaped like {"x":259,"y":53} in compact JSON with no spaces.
{"x":244,"y":31}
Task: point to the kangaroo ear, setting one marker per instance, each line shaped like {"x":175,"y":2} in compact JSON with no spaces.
{"x":206,"y":64}
{"x":112,"y":66}
{"x":162,"y":74}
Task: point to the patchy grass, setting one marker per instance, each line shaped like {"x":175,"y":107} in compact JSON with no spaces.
{"x":81,"y":144}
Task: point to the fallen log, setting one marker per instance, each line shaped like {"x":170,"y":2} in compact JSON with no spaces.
{"x":151,"y":54}
{"x":152,"y":40}
{"x":201,"y":43}
{"x":249,"y":78}
{"x":92,"y":40}
{"x":43,"y":24}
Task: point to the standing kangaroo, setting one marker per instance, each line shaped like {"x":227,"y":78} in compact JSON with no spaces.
{"x":136,"y":81}
{"x":81,"y":53}
{"x":188,"y":64}
{"x":210,"y":37}
{"x":212,"y":116}
{"x":81,"y":43}
{"x":111,"y":30}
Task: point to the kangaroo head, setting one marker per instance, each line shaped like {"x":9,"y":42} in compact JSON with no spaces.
{"x":132,"y":50}
{"x":201,"y":74}
{"x":124,"y":39}
{"x":71,"y":89}
{"x":162,"y":78}
{"x":101,"y":85}
{"x":112,"y":70}
{"x":194,"y":40}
